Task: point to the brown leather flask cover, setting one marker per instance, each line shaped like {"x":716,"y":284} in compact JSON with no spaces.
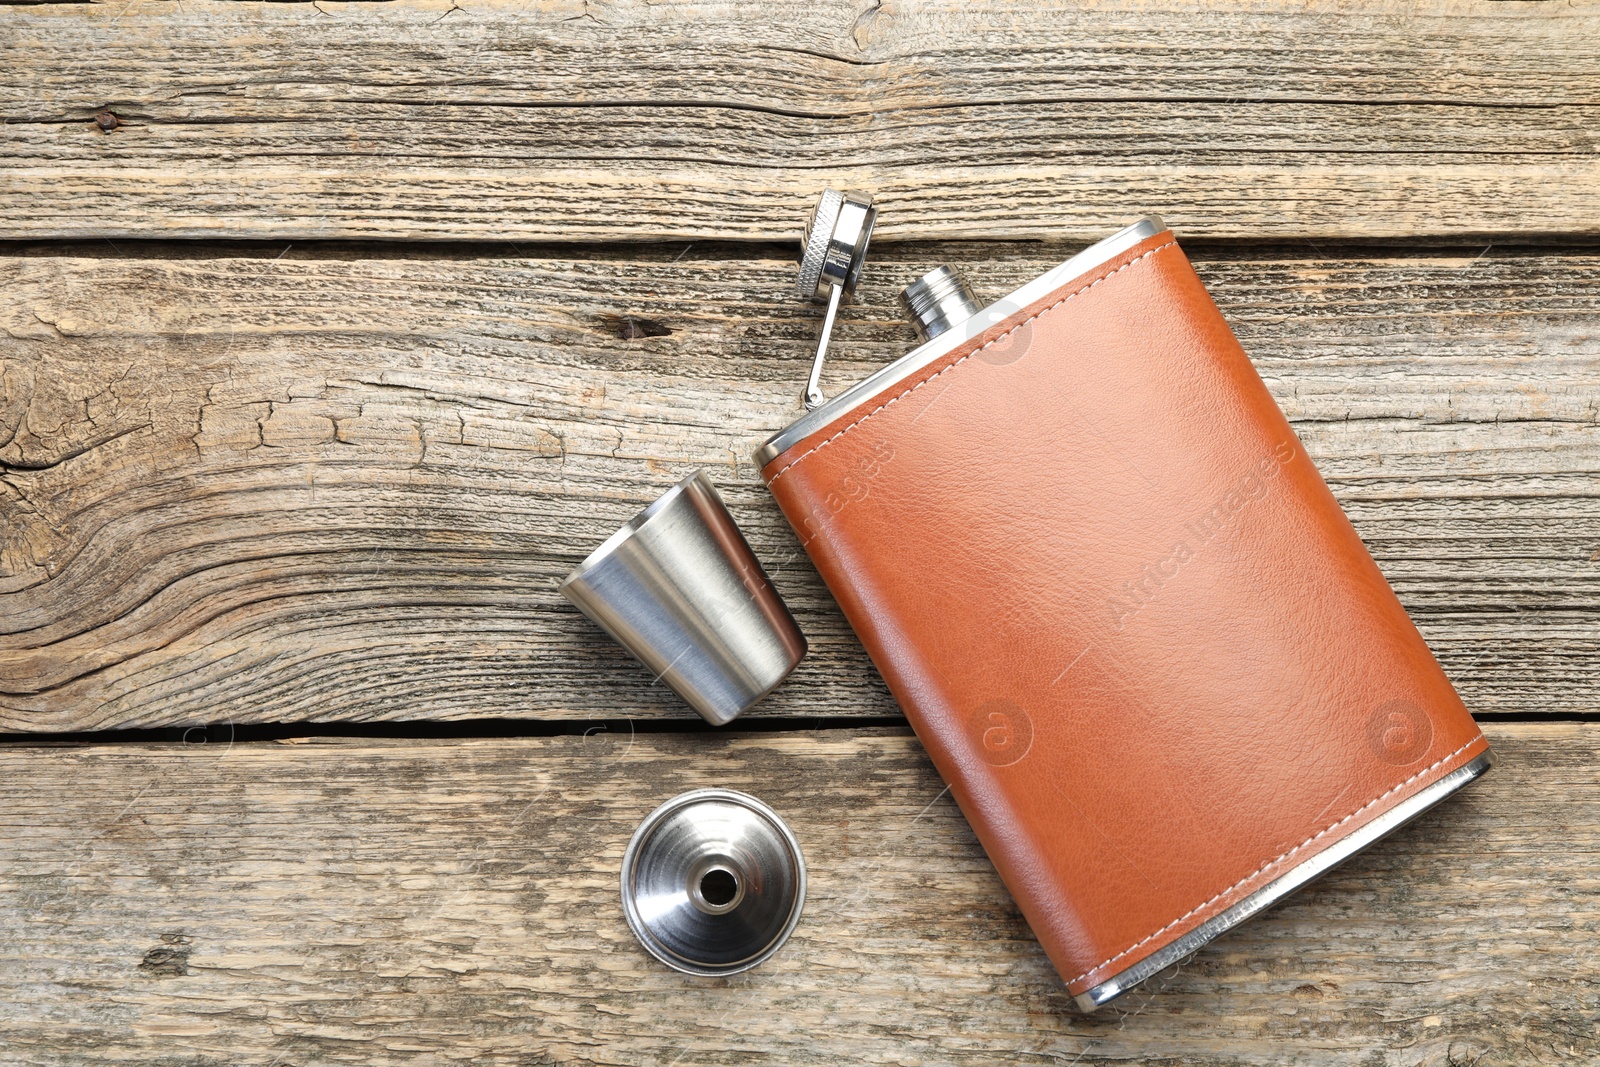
{"x":1122,"y":610}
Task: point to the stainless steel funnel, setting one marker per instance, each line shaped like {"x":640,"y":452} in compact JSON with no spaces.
{"x":713,"y":882}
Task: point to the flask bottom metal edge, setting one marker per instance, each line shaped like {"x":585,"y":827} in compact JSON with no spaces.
{"x":1285,"y":884}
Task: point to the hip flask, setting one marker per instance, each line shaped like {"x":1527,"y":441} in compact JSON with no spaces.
{"x":1163,"y":677}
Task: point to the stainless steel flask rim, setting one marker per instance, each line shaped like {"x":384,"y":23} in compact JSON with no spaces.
{"x":822,"y":415}
{"x":779,"y":868}
{"x":938,"y":301}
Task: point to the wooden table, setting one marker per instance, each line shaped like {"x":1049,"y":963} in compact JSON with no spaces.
{"x":335,"y":333}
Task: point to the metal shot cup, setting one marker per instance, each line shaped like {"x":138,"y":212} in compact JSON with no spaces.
{"x":680,"y":589}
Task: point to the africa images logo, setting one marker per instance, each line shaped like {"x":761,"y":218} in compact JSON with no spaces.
{"x":853,"y":486}
{"x":1132,"y":596}
{"x":1002,"y":730}
{"x":1399,"y":732}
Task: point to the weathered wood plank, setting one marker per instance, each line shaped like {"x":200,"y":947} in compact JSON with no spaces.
{"x":315,"y":488}
{"x":625,"y":120}
{"x":444,"y":902}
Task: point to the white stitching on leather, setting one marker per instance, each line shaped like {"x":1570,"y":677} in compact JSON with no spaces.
{"x":1201,"y":907}
{"x":995,"y":340}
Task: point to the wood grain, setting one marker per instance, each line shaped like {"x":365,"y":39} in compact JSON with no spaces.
{"x":584,"y":119}
{"x":309,"y":487}
{"x":456,"y":902}
{"x":290,"y":481}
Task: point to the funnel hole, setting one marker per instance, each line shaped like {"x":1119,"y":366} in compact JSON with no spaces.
{"x":718,"y":887}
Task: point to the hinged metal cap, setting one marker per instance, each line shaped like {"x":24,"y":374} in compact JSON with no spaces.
{"x":832,"y":251}
{"x":833,"y":245}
